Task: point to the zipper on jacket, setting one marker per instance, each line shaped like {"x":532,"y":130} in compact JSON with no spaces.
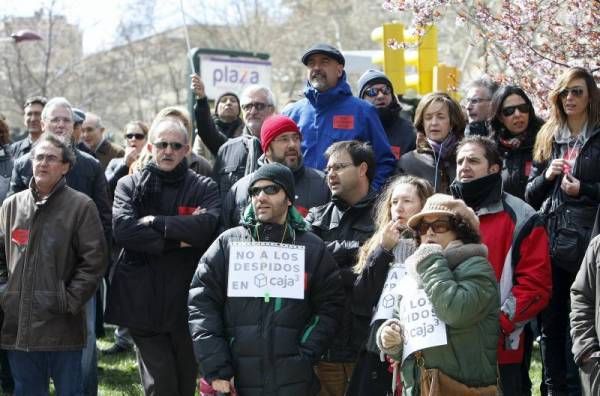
{"x":21,"y":293}
{"x":309,"y":329}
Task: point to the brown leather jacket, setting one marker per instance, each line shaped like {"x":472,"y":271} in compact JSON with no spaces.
{"x":54,"y":253}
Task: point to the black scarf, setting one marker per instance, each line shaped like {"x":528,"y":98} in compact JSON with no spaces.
{"x":388,"y":114}
{"x":148,"y":193}
{"x":479,"y":192}
{"x":228,"y":128}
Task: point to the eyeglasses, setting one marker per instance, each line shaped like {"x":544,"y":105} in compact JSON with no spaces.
{"x":373,"y":92}
{"x":49,"y":158}
{"x":510,"y":110}
{"x":58,"y":120}
{"x":271,"y":189}
{"x":576,"y":92}
{"x":337,"y":167}
{"x":176,"y":146}
{"x":295,"y":138}
{"x":475,"y":101}
{"x":257,"y":105}
{"x":438,"y":226}
{"x":136,"y":136}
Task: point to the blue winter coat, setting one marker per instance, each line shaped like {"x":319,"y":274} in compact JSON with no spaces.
{"x":335,"y":115}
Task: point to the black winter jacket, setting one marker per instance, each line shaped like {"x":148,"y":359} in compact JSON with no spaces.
{"x":344,"y":229}
{"x":269,"y":347}
{"x":580,"y":212}
{"x":422,"y":163}
{"x":151,"y":278}
{"x":517,"y":164}
{"x":311,"y":191}
{"x":210,"y":130}
{"x":236,"y":158}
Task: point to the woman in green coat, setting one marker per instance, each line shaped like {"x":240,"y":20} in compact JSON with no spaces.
{"x":451,"y":267}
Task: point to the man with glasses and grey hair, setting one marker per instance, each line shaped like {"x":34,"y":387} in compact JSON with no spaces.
{"x":478,"y":105}
{"x":165,"y":216}
{"x":85,"y":176}
{"x":238,"y":157}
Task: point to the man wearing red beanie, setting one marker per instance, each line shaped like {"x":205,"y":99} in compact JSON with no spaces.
{"x":280,"y":139}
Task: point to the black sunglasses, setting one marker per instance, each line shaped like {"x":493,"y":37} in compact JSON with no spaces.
{"x":271,"y":189}
{"x":257,"y":105}
{"x":510,"y":110}
{"x":438,"y":226}
{"x":136,"y":136}
{"x":163,"y":145}
{"x":577,"y":92}
{"x":373,"y":92}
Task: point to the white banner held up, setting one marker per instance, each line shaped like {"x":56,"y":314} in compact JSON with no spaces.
{"x":421,"y":327}
{"x":390,"y":293}
{"x":266,"y":269}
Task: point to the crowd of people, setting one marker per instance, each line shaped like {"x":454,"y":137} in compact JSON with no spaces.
{"x":334,"y":247}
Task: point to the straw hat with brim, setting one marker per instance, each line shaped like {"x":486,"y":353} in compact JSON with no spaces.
{"x":443,"y":204}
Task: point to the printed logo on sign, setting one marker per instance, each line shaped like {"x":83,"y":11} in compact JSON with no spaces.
{"x":228,"y":74}
{"x":224,"y":73}
{"x":343,"y":122}
{"x":265,"y":269}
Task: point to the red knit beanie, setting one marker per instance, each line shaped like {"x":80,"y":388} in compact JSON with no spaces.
{"x":275,"y":126}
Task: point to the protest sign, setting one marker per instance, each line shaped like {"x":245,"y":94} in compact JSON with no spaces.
{"x":266,"y":269}
{"x":390,"y":293}
{"x":420,"y":325}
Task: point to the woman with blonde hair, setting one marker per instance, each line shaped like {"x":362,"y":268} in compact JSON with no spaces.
{"x":565,"y":184}
{"x":440,"y":124}
{"x":380,"y":262}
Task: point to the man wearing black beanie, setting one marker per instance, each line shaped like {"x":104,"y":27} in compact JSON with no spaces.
{"x":266,"y":345}
{"x":375,"y":88}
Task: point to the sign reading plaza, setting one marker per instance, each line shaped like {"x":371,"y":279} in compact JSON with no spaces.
{"x":222,"y":73}
{"x":266,"y":269}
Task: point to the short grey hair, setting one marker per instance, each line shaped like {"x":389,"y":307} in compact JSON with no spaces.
{"x":253,"y":88}
{"x":484,"y":82}
{"x":177,"y":126}
{"x":68,"y":156}
{"x":58,"y":101}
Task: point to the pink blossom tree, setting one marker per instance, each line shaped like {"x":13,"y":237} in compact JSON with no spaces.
{"x":533,"y":40}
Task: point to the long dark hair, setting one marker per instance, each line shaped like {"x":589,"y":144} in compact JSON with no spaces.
{"x":496,"y":125}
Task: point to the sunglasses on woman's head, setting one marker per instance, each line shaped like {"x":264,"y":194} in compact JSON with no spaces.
{"x":271,"y":189}
{"x":510,"y":110}
{"x":438,"y":226}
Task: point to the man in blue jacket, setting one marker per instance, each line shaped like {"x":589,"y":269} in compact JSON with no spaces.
{"x":330,"y":113}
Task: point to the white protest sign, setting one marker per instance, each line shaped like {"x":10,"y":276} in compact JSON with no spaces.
{"x":222,"y":73}
{"x":266,"y":269}
{"x":421,"y":327}
{"x":390,"y":292}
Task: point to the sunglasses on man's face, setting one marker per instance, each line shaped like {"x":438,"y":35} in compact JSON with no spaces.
{"x":136,"y":136}
{"x":438,"y":226}
{"x":576,"y":92}
{"x":373,"y":92}
{"x":176,"y":146}
{"x":257,"y":105}
{"x":510,"y":110}
{"x":271,"y":189}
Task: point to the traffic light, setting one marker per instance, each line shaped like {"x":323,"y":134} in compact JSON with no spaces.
{"x":391,"y":59}
{"x":413,"y":69}
{"x":446,"y":79}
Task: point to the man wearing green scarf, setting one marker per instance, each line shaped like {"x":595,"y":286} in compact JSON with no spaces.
{"x":263,"y":338}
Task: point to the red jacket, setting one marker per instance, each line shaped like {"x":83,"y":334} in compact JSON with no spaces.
{"x":515,"y":236}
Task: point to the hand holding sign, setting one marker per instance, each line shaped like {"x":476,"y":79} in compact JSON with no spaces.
{"x":391,"y":336}
{"x":198,"y":86}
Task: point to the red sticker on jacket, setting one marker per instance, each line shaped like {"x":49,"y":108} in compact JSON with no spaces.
{"x":343,"y":122}
{"x":20,"y":236}
{"x":303,"y":211}
{"x":527,"y":168}
{"x":185,"y":210}
{"x":396,"y":151}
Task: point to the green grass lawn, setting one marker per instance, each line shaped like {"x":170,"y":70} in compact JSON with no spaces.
{"x":118,"y":375}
